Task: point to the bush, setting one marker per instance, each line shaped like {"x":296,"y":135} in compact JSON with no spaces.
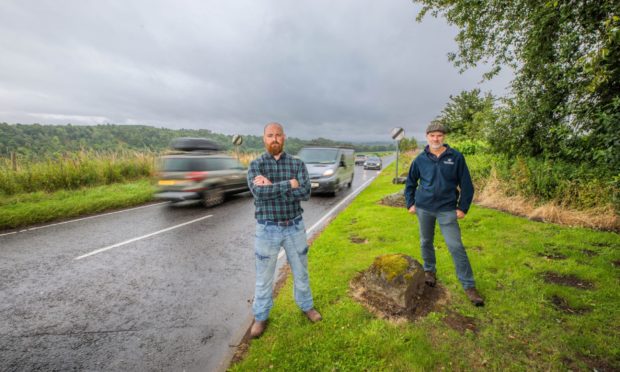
{"x":576,"y":186}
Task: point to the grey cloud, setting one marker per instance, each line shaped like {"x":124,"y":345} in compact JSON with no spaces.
{"x":348,"y":70}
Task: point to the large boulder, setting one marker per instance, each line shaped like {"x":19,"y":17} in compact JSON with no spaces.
{"x":395,"y":200}
{"x":397,"y":278}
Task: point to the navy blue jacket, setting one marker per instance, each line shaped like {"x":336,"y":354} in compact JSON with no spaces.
{"x":433,"y":182}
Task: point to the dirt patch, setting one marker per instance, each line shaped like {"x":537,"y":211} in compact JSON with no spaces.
{"x":616,"y":263}
{"x":567,"y":280}
{"x":553,"y":255}
{"x":560,"y":303}
{"x":394,"y":200}
{"x":593,"y":363}
{"x":433,"y":299}
{"x":460,"y":323}
{"x":589,"y":253}
{"x":599,"y":364}
{"x":357,"y":239}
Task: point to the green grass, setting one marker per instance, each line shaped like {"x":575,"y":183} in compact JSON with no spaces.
{"x":27,"y":209}
{"x":518,"y":329}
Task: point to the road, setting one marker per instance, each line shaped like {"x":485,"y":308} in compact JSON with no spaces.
{"x":154,"y":288}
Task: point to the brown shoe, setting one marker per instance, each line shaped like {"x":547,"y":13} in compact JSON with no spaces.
{"x":258,"y":328}
{"x":474,"y":296}
{"x":313,"y":315}
{"x":430,"y":278}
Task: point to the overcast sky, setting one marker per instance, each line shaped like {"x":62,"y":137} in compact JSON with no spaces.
{"x":345,"y":70}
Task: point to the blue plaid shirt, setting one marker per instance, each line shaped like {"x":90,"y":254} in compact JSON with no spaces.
{"x":279,"y":201}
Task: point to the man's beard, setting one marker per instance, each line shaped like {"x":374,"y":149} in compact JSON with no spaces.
{"x":275,"y":148}
{"x":436,"y":146}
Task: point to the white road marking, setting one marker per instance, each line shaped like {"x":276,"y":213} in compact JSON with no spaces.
{"x":81,"y":219}
{"x":328,"y":214}
{"x":331,"y":211}
{"x":139,"y":238}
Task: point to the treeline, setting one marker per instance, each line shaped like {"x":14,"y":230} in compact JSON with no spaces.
{"x":556,"y":136}
{"x":35,"y":141}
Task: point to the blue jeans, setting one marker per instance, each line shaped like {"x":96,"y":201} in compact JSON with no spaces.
{"x":451,"y":232}
{"x":269,"y":239}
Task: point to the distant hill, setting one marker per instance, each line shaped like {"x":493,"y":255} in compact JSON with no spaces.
{"x":36,"y":140}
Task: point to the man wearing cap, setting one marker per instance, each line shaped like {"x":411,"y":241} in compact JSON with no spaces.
{"x":279,"y":182}
{"x":439,"y":189}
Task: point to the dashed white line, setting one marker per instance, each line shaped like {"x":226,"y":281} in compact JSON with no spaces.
{"x":139,"y":238}
{"x":81,"y":219}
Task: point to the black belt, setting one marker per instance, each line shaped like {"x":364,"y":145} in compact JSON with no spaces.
{"x":294,"y":221}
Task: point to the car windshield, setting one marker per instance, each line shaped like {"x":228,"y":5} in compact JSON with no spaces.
{"x":360,"y":156}
{"x":318,"y":156}
{"x":187,"y":164}
{"x":373,"y":159}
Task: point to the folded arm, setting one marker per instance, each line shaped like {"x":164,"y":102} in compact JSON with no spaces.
{"x":267,"y":191}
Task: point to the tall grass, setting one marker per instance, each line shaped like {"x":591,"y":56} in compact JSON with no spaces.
{"x":74,"y":171}
{"x":564,"y":184}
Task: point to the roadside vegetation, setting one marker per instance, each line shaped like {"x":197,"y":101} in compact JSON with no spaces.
{"x":37,"y":207}
{"x":74,"y":171}
{"x":543,"y":189}
{"x":551,"y":298}
{"x":552,"y":143}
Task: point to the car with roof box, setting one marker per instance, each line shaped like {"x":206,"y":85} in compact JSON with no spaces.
{"x":198,"y":169}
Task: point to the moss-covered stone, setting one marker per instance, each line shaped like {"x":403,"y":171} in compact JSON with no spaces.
{"x":391,"y":265}
{"x":397,"y":278}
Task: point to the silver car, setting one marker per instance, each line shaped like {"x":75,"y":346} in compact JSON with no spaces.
{"x":373,"y":162}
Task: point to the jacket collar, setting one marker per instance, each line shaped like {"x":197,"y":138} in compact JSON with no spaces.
{"x":428,"y":152}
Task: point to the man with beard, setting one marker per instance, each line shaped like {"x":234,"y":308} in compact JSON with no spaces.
{"x":436,"y":178}
{"x":279,"y":182}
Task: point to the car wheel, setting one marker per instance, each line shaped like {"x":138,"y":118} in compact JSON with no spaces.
{"x":350,"y":182}
{"x":213,"y":197}
{"x":336,"y":189}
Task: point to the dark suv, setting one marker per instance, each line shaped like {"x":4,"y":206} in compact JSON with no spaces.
{"x":200,"y":175}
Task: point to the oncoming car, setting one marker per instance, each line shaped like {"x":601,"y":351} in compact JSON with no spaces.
{"x":207,"y":175}
{"x":330,"y":168}
{"x":373,"y":162}
{"x":360,"y":159}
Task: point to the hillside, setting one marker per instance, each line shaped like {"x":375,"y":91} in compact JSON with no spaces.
{"x":36,"y":140}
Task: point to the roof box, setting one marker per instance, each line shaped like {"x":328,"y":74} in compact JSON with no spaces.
{"x":195,"y":144}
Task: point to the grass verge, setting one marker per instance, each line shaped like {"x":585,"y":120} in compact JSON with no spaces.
{"x":531,"y":320}
{"x":27,"y":209}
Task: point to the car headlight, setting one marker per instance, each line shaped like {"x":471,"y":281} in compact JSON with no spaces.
{"x":328,"y":172}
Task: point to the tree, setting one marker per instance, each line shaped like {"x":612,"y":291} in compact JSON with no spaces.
{"x":468,"y":114}
{"x":407,"y":144}
{"x":566,"y":56}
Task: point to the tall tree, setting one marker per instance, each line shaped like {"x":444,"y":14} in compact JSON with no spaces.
{"x":469,"y":114}
{"x":566,"y":58}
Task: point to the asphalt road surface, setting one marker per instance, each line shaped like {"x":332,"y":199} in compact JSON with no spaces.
{"x":154,"y":288}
